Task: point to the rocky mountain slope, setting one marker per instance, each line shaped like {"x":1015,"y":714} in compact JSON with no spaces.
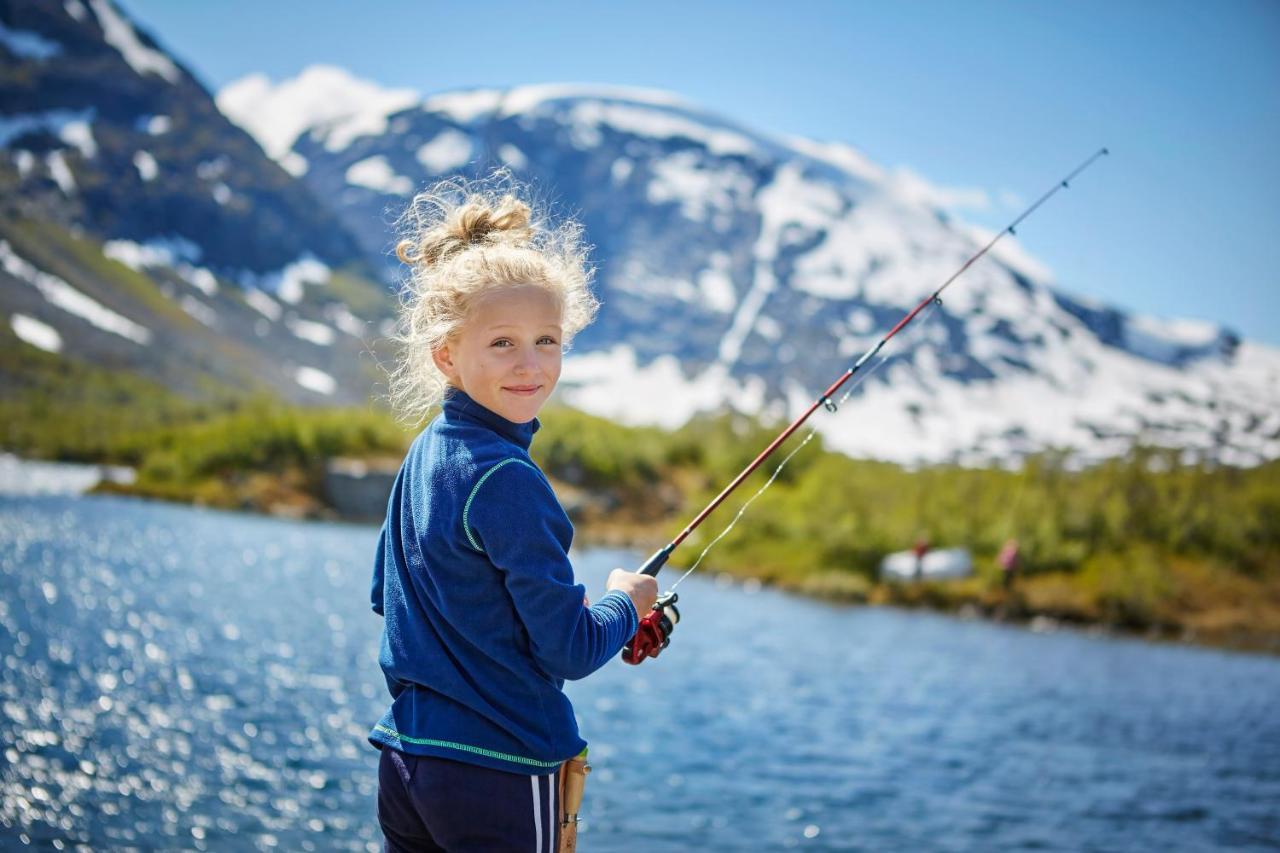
{"x":745,"y":270}
{"x":142,"y":230}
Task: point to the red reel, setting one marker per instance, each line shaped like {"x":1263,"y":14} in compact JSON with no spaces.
{"x":654,"y":633}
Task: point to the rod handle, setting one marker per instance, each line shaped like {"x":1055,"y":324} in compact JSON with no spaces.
{"x":655,"y":563}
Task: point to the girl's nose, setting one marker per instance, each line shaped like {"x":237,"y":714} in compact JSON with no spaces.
{"x":527,"y":362}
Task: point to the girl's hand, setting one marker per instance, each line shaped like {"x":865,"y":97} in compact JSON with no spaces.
{"x":641,"y":589}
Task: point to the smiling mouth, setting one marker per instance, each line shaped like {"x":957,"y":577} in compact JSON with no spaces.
{"x":525,"y":389}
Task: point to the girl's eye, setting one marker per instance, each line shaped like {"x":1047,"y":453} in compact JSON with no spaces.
{"x":504,"y":342}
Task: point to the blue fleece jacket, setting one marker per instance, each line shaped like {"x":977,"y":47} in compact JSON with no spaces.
{"x":483,"y":619}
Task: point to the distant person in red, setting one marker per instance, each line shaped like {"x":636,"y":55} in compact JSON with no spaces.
{"x":1009,"y":562}
{"x":920,"y":549}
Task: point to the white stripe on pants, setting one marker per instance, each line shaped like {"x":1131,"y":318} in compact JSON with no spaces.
{"x":535,"y":782}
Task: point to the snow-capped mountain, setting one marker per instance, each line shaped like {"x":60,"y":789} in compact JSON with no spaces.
{"x":740,"y":269}
{"x":140,"y":229}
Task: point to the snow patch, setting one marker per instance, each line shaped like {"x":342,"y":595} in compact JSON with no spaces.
{"x":657,"y":124}
{"x":376,"y":173}
{"x":317,"y":333}
{"x":635,"y":276}
{"x":716,"y":285}
{"x":335,"y":105}
{"x":79,"y":134}
{"x":36,"y":333}
{"x":315,"y":380}
{"x":62,"y":295}
{"x":513,"y":157}
{"x":449,"y":150}
{"x":768,"y":328}
{"x":844,"y":157}
{"x":1010,"y":252}
{"x":763,"y":283}
{"x":158,"y":125}
{"x":120,"y":34}
{"x":794,"y":209}
{"x":611,"y":383}
{"x":1090,"y":398}
{"x":27,"y":44}
{"x":60,"y":172}
{"x":158,"y":251}
{"x":868,"y":252}
{"x":199,"y":278}
{"x":703,"y":193}
{"x":301,"y":272}
{"x":464,"y":107}
{"x":528,"y":99}
{"x":25,"y":161}
{"x":54,"y":122}
{"x":861,"y":322}
{"x":340,"y":315}
{"x":199,"y":311}
{"x":135,"y":256}
{"x":791,"y":200}
{"x":585,"y":137}
{"x":906,"y":419}
{"x":288,"y":283}
{"x":175,"y":253}
{"x":146,"y":165}
{"x":295,"y":164}
{"x":1192,"y":334}
{"x":75,"y":9}
{"x":262,"y":303}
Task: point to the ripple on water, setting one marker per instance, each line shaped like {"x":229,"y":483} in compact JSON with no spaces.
{"x":186,"y":679}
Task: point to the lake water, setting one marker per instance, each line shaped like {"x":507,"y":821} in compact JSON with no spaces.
{"x":177,"y":678}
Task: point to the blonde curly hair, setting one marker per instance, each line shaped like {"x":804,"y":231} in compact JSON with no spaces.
{"x":463,"y":238}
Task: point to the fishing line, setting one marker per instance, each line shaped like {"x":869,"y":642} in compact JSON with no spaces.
{"x":654,"y":631}
{"x":933,"y":306}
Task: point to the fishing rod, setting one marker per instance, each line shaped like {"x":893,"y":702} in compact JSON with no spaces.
{"x":654,"y":632}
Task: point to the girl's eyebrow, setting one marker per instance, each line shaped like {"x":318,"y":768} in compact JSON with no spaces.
{"x":516,"y":326}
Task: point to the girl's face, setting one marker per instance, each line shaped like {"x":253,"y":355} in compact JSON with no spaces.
{"x":506,"y":356}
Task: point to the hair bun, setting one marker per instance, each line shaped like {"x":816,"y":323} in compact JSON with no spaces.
{"x":474,"y":223}
{"x":461,"y":238}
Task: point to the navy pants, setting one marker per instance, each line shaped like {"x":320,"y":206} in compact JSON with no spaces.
{"x":427,"y":803}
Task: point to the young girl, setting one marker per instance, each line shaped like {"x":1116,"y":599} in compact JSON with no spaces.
{"x":483,"y":619}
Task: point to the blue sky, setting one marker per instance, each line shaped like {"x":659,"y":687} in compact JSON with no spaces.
{"x":1183,"y":220}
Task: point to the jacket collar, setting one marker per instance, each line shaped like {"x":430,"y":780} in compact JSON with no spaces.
{"x":458,"y":407}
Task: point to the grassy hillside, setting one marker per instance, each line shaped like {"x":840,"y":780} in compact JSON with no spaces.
{"x":231,"y":449}
{"x":1142,"y":543}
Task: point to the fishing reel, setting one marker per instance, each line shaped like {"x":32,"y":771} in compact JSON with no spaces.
{"x":654,"y":633}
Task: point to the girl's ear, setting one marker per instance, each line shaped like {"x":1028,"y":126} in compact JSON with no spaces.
{"x":443,"y":358}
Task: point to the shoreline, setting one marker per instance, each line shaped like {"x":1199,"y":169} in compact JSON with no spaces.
{"x":993,"y":606}
{"x":969,"y":598}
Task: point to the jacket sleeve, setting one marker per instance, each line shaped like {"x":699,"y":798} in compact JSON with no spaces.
{"x":379,"y":557}
{"x":515,"y":519}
